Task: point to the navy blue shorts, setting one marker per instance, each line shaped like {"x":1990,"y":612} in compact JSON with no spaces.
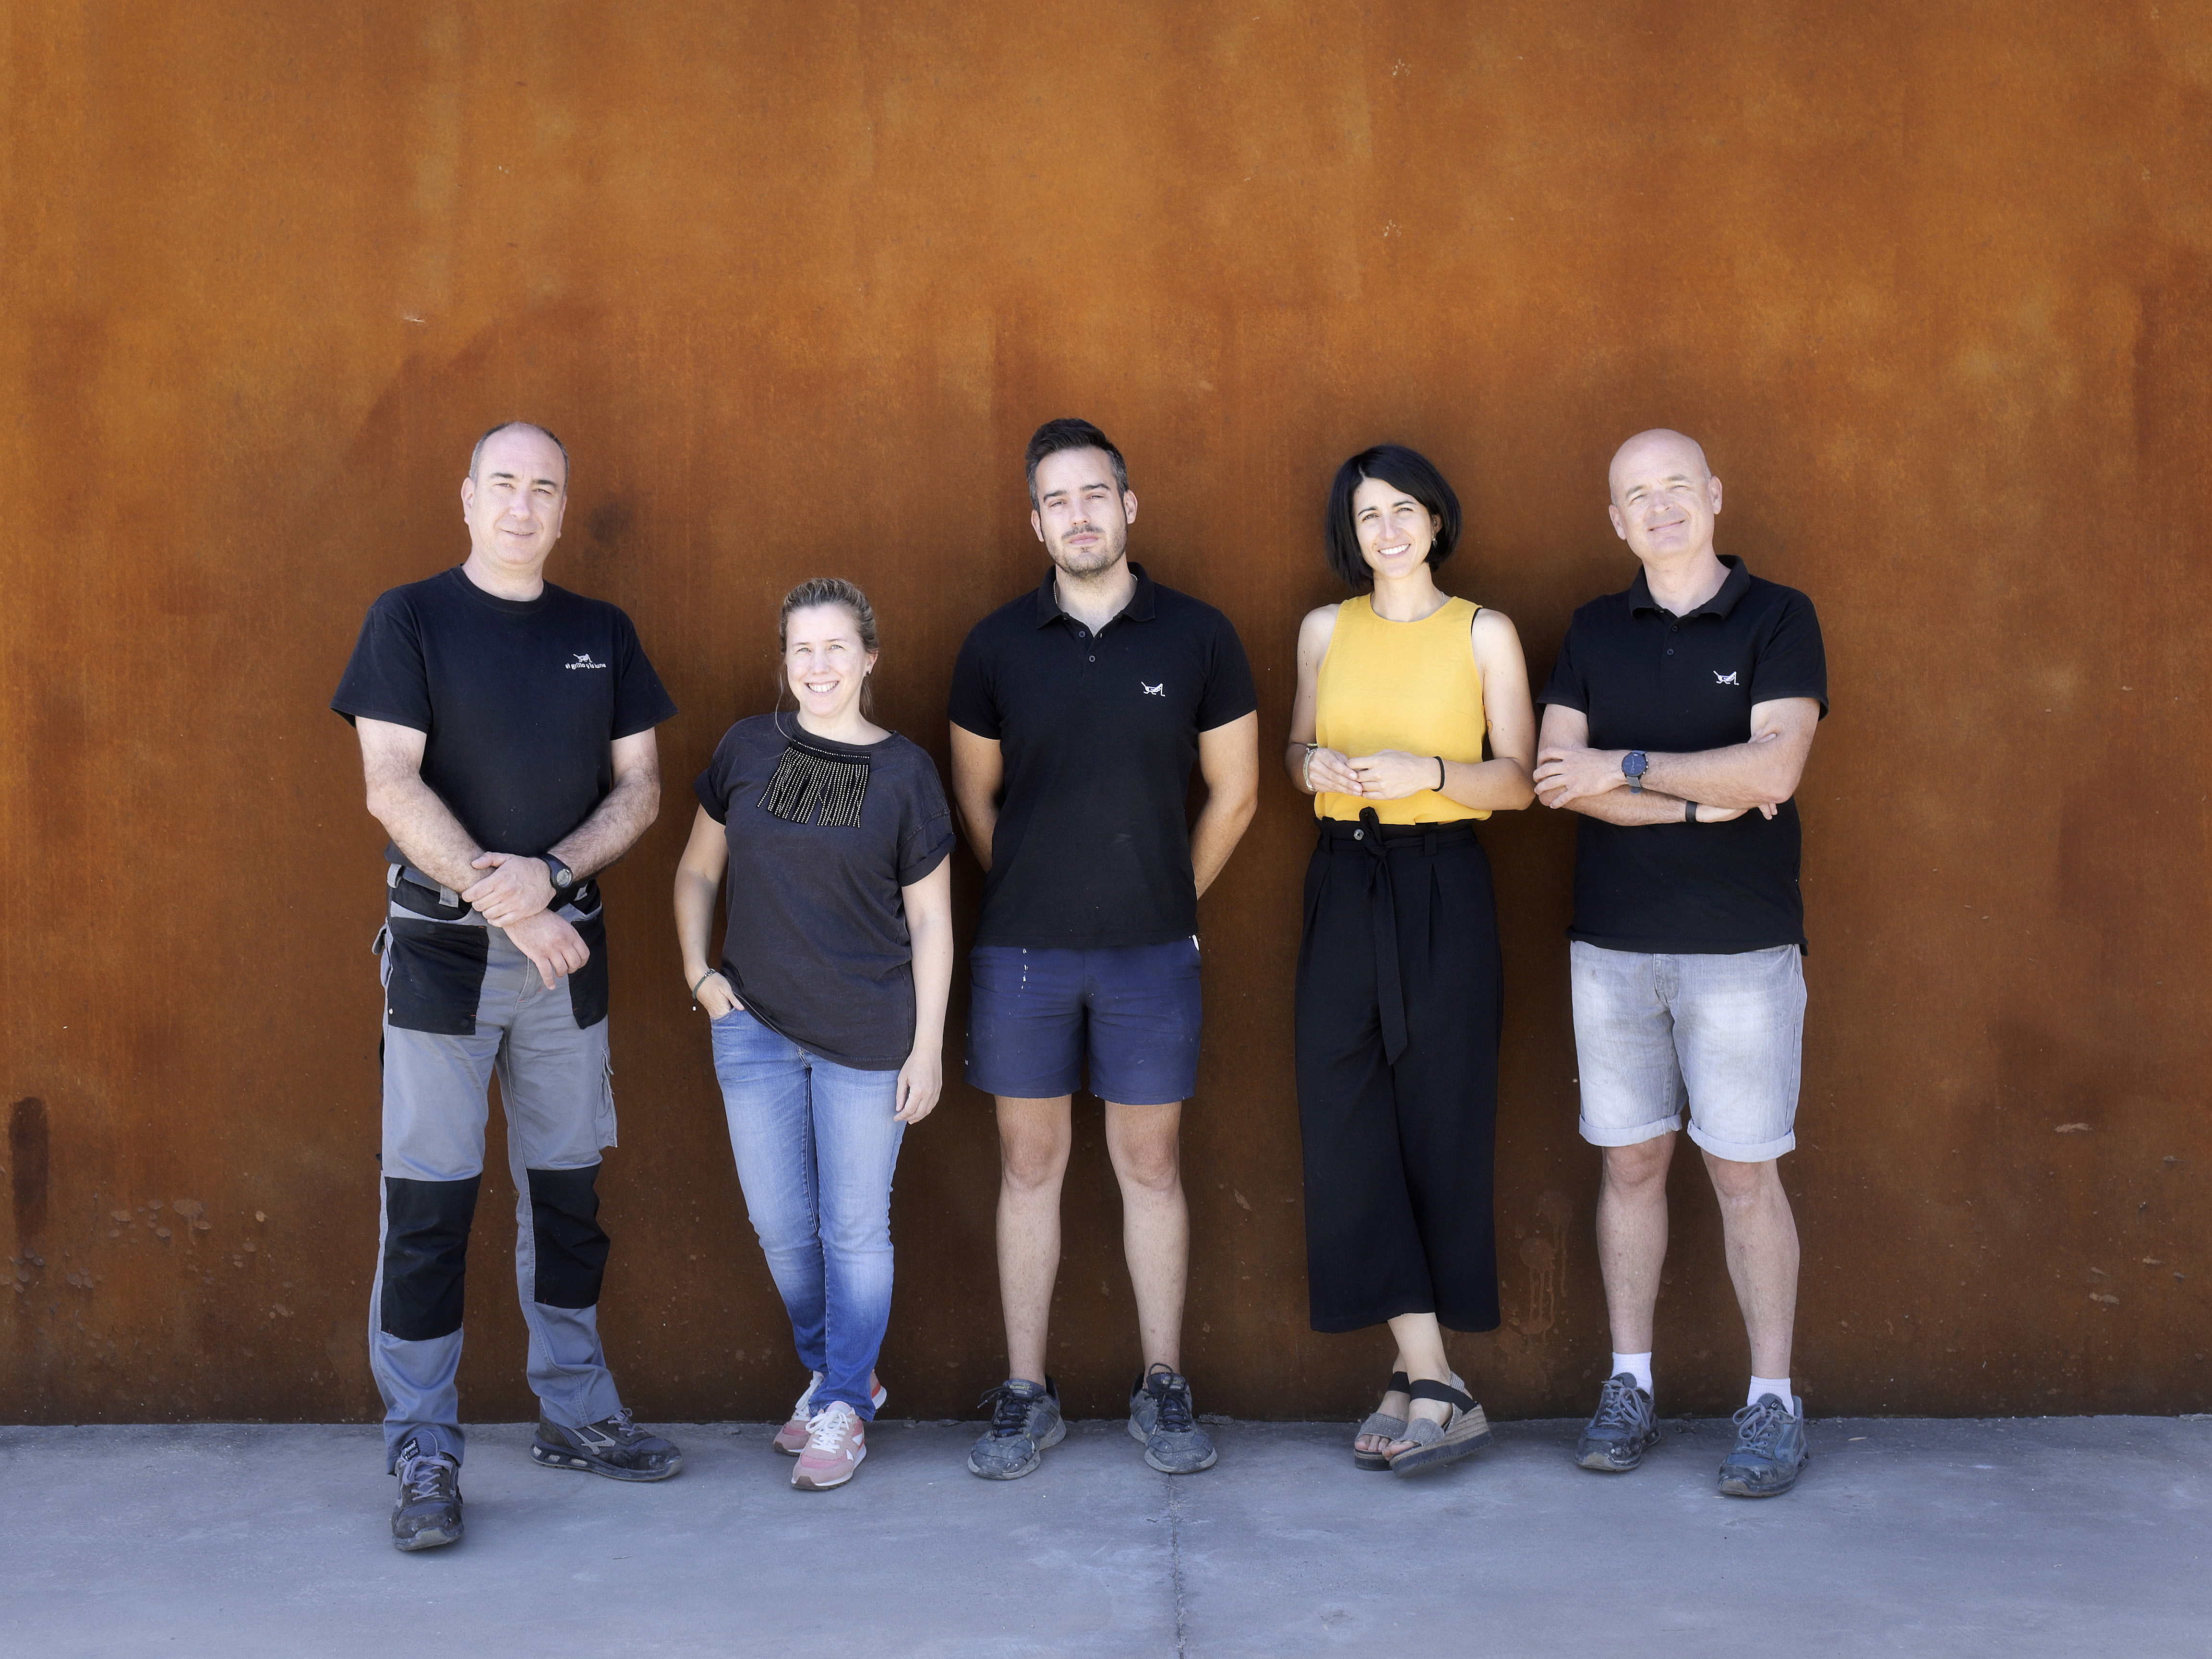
{"x":1131,"y":1010}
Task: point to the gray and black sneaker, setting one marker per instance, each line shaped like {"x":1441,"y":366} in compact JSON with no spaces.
{"x":427,"y":1511}
{"x":1160,"y":1415}
{"x":1621,"y":1430}
{"x":1024,"y":1421}
{"x":613,"y":1446}
{"x":1770,"y":1449}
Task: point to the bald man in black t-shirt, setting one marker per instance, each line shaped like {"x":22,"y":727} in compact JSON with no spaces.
{"x":506,"y":730}
{"x":1677,"y":724}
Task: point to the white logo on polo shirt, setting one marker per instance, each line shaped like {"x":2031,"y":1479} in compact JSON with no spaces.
{"x":1720,"y":678}
{"x":1159,"y":691}
{"x":583,"y":661}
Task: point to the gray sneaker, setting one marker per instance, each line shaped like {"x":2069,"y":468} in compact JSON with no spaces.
{"x":1770,"y":1449}
{"x":1024,"y":1421}
{"x":1160,"y":1415}
{"x":613,"y":1446}
{"x":427,"y":1511}
{"x":1621,"y":1430}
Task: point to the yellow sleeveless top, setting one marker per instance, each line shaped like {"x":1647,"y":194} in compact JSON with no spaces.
{"x":1412,"y":686}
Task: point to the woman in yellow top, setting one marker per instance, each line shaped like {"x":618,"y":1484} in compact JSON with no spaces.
{"x":1398,"y":986}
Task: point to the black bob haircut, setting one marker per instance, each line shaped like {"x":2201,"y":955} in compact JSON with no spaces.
{"x":1069,"y":433}
{"x":1401,"y":468}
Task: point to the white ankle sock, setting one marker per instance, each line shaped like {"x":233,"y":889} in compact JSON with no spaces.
{"x":1638,"y":1366}
{"x":1776,"y":1386}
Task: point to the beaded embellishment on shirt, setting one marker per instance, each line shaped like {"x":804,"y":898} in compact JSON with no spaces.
{"x":813,"y":786}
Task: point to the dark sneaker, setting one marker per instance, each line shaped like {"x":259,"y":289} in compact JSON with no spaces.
{"x":427,"y":1511}
{"x":1024,"y":1421}
{"x":1770,"y":1449}
{"x":1621,"y":1430}
{"x":1160,"y":1415}
{"x":614,"y":1447}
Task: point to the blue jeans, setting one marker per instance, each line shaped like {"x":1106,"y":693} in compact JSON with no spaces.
{"x":815,"y":1144}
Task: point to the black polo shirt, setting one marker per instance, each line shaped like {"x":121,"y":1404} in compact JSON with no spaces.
{"x":1099,"y":733}
{"x":1649,"y":679}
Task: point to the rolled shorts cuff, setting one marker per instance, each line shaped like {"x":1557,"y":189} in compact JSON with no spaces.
{"x":1734,"y":1151}
{"x":1633,"y":1135}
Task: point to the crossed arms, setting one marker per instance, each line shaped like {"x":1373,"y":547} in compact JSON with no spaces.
{"x":510,"y":891}
{"x":1726,"y":783}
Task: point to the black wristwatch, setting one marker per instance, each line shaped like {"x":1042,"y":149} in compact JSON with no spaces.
{"x":1633,"y":765}
{"x":563,"y":877}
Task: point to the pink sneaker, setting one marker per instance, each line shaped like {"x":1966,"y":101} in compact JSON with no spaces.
{"x":836,"y":1441}
{"x":791,"y":1438}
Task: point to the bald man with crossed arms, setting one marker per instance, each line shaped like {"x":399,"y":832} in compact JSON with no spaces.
{"x":1677,"y":724}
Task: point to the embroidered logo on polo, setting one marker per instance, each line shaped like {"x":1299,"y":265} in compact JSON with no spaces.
{"x":1720,"y":678}
{"x":1159,"y":691}
{"x":583,"y":661}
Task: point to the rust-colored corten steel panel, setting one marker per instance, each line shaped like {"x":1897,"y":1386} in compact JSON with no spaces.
{"x":795,"y":285}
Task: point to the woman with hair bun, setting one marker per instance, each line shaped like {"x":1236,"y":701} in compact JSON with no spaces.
{"x":828,"y":1003}
{"x":1412,"y":723}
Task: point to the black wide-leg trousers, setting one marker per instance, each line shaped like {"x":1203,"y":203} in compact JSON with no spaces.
{"x":1399,"y":999}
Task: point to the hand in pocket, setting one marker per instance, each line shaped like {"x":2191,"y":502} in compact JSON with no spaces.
{"x":717,"y":997}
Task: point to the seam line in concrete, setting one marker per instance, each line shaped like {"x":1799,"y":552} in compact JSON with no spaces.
{"x":1174,"y":1558}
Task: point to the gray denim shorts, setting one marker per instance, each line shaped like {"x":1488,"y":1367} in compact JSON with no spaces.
{"x":1720,"y":1033}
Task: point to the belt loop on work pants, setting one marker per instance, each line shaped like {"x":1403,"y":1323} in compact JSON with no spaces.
{"x":1382,"y":913}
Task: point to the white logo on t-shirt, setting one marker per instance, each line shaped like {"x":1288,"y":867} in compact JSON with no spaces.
{"x":1720,"y":678}
{"x":584,"y":661}
{"x":1159,"y":691}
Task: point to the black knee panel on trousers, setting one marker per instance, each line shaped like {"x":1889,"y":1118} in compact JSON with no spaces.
{"x":426,"y":1244}
{"x":572,"y":1250}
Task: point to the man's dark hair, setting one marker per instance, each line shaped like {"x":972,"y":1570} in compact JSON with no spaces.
{"x":1401,"y":468}
{"x":491,"y":432}
{"x":1068,"y":433}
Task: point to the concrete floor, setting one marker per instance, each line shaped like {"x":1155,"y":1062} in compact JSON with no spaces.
{"x":2013,"y":1539}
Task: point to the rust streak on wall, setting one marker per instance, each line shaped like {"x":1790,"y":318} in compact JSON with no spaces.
{"x":1930,"y":283}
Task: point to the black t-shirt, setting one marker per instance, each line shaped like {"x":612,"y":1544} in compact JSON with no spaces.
{"x":1099,"y":734}
{"x":520,"y":700}
{"x":823,"y":835}
{"x":1649,"y":679}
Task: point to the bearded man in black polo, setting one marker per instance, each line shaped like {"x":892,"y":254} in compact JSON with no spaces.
{"x":506,"y":730}
{"x":1677,"y":723}
{"x":1078,"y":713}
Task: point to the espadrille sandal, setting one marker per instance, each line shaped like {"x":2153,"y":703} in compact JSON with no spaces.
{"x":1466,"y":1430}
{"x":1392,"y":1428}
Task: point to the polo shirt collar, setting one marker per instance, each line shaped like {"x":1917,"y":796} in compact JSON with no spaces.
{"x":1733,"y":587}
{"x":1139,"y":609}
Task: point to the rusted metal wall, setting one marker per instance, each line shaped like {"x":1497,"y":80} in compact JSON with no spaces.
{"x":794,"y":283}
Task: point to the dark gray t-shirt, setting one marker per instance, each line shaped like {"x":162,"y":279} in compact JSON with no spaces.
{"x":822,"y":837}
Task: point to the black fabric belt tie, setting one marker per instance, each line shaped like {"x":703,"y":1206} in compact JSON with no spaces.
{"x":1378,"y":840}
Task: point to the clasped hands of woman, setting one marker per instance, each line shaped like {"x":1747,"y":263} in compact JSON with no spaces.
{"x":1387,"y":775}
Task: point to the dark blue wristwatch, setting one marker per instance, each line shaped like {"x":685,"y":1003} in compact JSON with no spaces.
{"x":1633,"y":765}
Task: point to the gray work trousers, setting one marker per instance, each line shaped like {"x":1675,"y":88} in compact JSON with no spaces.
{"x":461,"y":1003}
